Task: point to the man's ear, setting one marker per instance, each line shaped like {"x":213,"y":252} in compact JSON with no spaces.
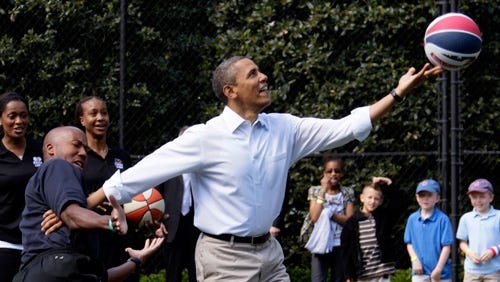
{"x":229,"y":91}
{"x":50,"y":148}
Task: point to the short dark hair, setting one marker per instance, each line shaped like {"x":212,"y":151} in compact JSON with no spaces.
{"x":224,"y":74}
{"x":79,"y":107}
{"x":8,"y":97}
{"x":329,"y":157}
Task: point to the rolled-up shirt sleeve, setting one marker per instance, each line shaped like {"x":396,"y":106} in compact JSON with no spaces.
{"x":363,"y":122}
{"x":113,"y":186}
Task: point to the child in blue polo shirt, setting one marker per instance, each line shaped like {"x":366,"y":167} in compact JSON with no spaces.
{"x":479,"y":234}
{"x":429,"y":236}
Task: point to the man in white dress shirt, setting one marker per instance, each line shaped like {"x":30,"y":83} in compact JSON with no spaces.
{"x":239,"y":161}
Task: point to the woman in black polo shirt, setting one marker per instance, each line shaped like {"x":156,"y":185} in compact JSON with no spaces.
{"x":19,"y":159}
{"x":102,"y":161}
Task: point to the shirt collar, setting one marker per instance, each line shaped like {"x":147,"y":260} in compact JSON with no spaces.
{"x":491,"y":212}
{"x":3,"y":150}
{"x":233,"y":120}
{"x":433,"y":216}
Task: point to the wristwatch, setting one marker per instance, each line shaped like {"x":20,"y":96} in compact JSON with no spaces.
{"x":396,"y":97}
{"x":136,"y":261}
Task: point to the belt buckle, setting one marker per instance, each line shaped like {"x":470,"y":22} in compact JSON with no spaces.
{"x":251,"y":240}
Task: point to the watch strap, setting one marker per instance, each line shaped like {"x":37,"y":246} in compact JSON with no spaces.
{"x":137,"y":262}
{"x":396,"y":97}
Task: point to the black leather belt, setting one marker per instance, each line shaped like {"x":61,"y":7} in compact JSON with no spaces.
{"x":237,"y":239}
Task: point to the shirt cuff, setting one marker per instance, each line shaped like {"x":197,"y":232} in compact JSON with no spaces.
{"x":113,"y":186}
{"x":363,"y":122}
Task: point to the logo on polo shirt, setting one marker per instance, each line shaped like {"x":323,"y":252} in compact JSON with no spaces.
{"x":37,"y":161}
{"x":118,"y":164}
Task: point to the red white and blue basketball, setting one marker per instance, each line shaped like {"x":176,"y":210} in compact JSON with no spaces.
{"x":146,"y":207}
{"x":452,"y":41}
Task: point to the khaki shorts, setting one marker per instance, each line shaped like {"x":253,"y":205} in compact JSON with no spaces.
{"x":473,"y":277}
{"x":426,"y":278}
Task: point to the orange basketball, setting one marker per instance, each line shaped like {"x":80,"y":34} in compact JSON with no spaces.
{"x":145,"y":207}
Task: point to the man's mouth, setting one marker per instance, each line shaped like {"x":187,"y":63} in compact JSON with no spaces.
{"x":79,"y":164}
